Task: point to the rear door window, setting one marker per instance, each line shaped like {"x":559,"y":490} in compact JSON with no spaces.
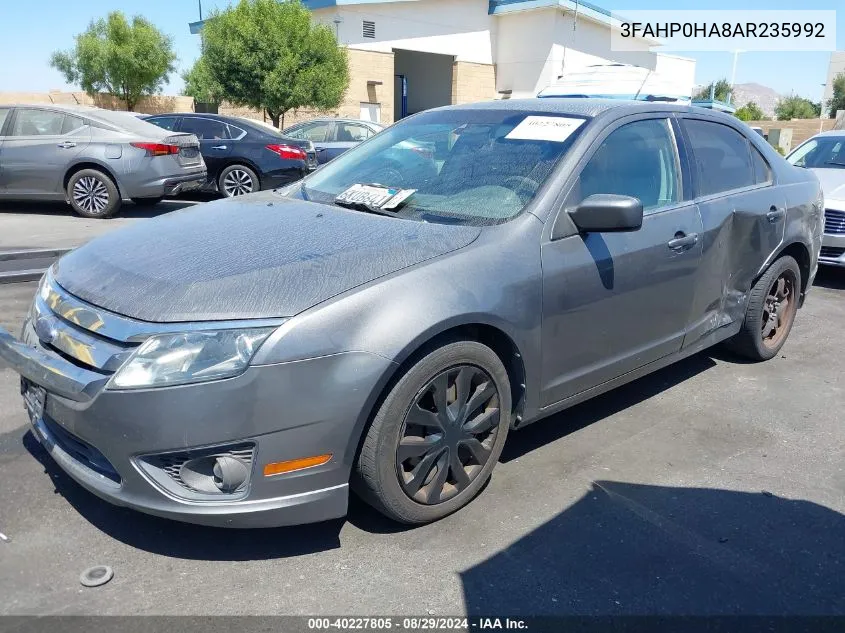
{"x":722,"y":157}
{"x":762,"y":171}
{"x":4,"y":114}
{"x":72,"y":123}
{"x":351,"y":133}
{"x":315,"y":132}
{"x":205,"y":129}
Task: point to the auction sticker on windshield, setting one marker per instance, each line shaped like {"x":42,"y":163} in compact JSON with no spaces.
{"x":375,"y":196}
{"x":545,"y":128}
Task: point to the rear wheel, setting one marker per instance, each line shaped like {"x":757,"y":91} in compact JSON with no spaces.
{"x":92,"y":194}
{"x":147,"y":202}
{"x":772,"y":304}
{"x":437,"y":436}
{"x":237,"y":180}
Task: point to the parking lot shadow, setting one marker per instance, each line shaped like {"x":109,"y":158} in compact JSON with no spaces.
{"x":182,"y":540}
{"x":830,"y":277}
{"x":128,"y":210}
{"x":630,"y":549}
{"x":570,"y":420}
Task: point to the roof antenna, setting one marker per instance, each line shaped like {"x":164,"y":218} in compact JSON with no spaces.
{"x":642,"y":85}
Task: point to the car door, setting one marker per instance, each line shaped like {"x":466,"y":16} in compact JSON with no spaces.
{"x":4,"y":120}
{"x":613,"y":302}
{"x":320,"y":133}
{"x":40,"y":146}
{"x":216,"y":144}
{"x":743,"y":216}
{"x":345,"y":136}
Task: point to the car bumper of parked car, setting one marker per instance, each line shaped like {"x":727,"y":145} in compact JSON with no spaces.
{"x":833,"y":249}
{"x":154,"y":449}
{"x":167,"y":186}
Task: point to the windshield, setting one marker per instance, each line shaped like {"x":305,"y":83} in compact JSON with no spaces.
{"x":457,"y":166}
{"x":822,"y":151}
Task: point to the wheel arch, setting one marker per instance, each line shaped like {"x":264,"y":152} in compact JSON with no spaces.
{"x":482,"y":332}
{"x":237,"y":160}
{"x":89,"y":164}
{"x":800,"y":252}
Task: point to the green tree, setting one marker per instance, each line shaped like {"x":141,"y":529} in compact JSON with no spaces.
{"x":837,"y":99}
{"x":200,"y":85}
{"x":722,"y":92}
{"x":750,"y":112}
{"x":123,"y":59}
{"x":268,"y":55}
{"x":795,"y":107}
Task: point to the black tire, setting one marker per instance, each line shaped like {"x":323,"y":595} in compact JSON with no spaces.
{"x":756,"y":340}
{"x":147,"y":202}
{"x":237,"y":180}
{"x":93,"y":194}
{"x":380,"y":466}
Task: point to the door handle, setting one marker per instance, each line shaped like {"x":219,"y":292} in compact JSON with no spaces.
{"x":682,"y":241}
{"x":775,"y":214}
{"x":320,"y":149}
{"x":219,"y":147}
{"x":67,"y":145}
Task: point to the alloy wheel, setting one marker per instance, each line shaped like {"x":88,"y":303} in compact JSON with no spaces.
{"x":237,"y":183}
{"x":448,"y":434}
{"x":779,"y":309}
{"x":91,"y":195}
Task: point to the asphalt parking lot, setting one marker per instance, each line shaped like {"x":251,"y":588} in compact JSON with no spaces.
{"x":714,"y":486}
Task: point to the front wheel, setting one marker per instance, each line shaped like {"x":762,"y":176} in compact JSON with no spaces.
{"x":772,"y":304}
{"x":92,"y":194}
{"x":437,"y":436}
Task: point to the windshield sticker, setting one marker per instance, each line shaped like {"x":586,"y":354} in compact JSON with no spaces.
{"x":375,"y":196}
{"x":545,"y":128}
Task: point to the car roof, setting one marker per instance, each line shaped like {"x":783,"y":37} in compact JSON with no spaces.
{"x":588,"y":107}
{"x":830,"y":133}
{"x":339,"y":120}
{"x":74,"y":109}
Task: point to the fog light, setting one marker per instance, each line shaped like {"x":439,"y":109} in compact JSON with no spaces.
{"x":229,"y":473}
{"x":277,"y":468}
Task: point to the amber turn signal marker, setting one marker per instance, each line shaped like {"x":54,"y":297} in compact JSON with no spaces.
{"x":277,"y":468}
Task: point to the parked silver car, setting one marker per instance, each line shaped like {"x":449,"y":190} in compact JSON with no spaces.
{"x":825,"y":155}
{"x":93,"y":158}
{"x":333,"y":137}
{"x":244,"y":363}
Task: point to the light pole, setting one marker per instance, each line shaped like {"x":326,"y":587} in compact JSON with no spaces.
{"x":733,"y":69}
{"x":338,"y":20}
{"x":821,"y":109}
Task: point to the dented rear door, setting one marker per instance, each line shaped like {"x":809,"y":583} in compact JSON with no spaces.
{"x":743,"y":215}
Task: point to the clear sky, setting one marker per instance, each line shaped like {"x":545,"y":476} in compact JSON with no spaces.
{"x":30,"y":31}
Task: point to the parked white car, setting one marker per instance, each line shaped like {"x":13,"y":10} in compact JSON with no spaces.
{"x":825,"y":155}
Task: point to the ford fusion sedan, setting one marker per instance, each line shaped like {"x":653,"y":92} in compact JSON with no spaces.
{"x":825,"y":155}
{"x":382,"y":329}
{"x":92,"y":158}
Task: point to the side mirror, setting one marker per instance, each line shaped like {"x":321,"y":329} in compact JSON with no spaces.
{"x":607,"y":212}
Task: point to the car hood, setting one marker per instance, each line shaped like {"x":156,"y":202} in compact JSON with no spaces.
{"x":833,"y":183}
{"x":260,"y":256}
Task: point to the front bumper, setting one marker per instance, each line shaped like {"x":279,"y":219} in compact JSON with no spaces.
{"x":286,"y":411}
{"x":833,"y":249}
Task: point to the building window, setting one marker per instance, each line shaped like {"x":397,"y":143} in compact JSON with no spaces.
{"x":369,"y":29}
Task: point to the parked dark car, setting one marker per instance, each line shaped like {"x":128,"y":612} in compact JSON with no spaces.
{"x":242,"y":155}
{"x":93,"y":158}
{"x":332,"y":137}
{"x":244,"y":363}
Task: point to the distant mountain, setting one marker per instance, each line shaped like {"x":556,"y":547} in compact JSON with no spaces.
{"x":763,"y":96}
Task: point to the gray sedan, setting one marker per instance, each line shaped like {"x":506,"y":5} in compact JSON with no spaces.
{"x":384,"y":328}
{"x":93,"y":158}
{"x":332,"y":137}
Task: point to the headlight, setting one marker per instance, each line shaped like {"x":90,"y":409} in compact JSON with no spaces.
{"x":188,"y":357}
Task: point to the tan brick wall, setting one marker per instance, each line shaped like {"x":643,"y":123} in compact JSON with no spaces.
{"x":473,"y":82}
{"x":802,"y":129}
{"x":147,"y":105}
{"x":364,"y":66}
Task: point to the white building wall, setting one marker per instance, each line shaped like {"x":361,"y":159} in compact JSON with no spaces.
{"x":450,"y":27}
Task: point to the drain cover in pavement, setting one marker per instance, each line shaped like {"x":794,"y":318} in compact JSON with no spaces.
{"x":96,"y":576}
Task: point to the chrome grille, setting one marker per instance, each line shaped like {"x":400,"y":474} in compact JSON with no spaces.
{"x":830,"y":252}
{"x":834,"y":221}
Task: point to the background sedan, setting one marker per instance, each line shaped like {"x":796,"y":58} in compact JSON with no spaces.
{"x":243,"y":155}
{"x":332,"y":137}
{"x":93,"y":158}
